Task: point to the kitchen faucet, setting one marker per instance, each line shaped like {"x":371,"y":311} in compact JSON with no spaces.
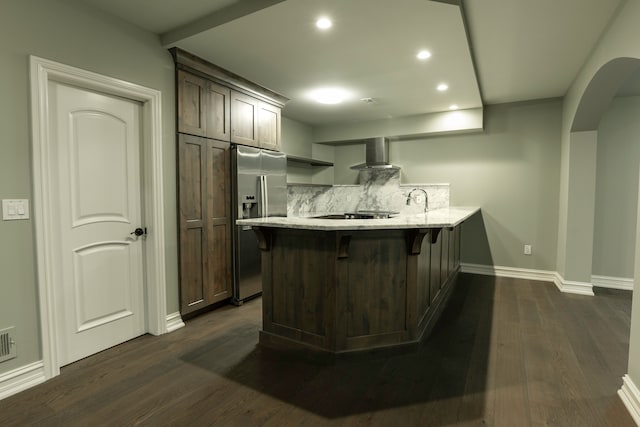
{"x":426,"y":198}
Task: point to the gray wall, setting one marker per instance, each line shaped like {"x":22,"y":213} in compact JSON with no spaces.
{"x":618,"y":157}
{"x":297,"y":140}
{"x":347,"y":156}
{"x":511,"y":170}
{"x":65,"y":32}
{"x":297,"y":137}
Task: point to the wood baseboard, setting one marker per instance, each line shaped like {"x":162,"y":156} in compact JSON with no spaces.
{"x":630,"y":396}
{"x":516,"y":273}
{"x":22,"y":378}
{"x":572,"y":287}
{"x":174,"y":322}
{"x":566,"y":286}
{"x":622,"y":283}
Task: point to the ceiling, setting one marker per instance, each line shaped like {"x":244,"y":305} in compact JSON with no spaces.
{"x":489,"y":51}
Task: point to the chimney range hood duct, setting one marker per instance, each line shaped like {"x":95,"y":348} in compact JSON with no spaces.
{"x":377,"y":154}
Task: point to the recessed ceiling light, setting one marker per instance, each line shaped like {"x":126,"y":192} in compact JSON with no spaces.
{"x":329,"y":95}
{"x":453,"y":107}
{"x":442,"y":87}
{"x":423,"y":54}
{"x":324,"y":23}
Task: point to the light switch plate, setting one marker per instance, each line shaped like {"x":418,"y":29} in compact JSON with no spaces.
{"x":15,"y":209}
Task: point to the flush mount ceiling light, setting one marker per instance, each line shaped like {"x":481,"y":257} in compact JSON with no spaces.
{"x":442,"y":87}
{"x":453,"y":107}
{"x":423,"y":54}
{"x":329,"y":95}
{"x":324,"y":23}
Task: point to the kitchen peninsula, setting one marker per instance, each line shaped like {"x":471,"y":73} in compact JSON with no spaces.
{"x":336,"y":286}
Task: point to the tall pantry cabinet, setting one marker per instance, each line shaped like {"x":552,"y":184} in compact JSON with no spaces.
{"x":214,"y":109}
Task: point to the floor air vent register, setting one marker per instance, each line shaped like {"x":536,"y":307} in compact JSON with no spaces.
{"x":7,"y":344}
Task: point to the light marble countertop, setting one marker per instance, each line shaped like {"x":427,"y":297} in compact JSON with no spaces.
{"x":437,"y":218}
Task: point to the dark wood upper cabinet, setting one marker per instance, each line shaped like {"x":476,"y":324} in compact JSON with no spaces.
{"x":203,"y":107}
{"x":254,"y":122}
{"x":218,"y":104}
{"x":244,"y":119}
{"x":192,"y":91}
{"x":217,"y":111}
{"x":269,"y":126}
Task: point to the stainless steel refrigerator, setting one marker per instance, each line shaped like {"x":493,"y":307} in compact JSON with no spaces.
{"x":260,"y":190}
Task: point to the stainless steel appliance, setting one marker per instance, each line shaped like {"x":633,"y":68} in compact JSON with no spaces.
{"x":259,"y":190}
{"x":377,"y":154}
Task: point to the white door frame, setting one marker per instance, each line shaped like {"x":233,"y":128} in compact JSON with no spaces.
{"x":42,"y":72}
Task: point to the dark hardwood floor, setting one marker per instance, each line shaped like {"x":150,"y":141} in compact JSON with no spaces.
{"x":506,"y":352}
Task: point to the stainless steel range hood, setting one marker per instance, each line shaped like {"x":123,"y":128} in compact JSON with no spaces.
{"x":377,"y":154}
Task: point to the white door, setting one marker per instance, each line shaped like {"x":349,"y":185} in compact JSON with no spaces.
{"x":98,"y":270}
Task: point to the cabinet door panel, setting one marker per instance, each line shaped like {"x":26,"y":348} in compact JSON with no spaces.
{"x":217,"y":111}
{"x":269,"y":120}
{"x":192,"y":270}
{"x":424,"y":279}
{"x":204,"y":194}
{"x":244,"y":119}
{"x":193,"y":239}
{"x":436,"y":257}
{"x":191,"y":104}
{"x":219,"y":221}
{"x":452,"y":251}
{"x":456,"y":262}
{"x":191,"y":157}
{"x":218,"y":262}
{"x":444,"y":256}
{"x":377,"y":279}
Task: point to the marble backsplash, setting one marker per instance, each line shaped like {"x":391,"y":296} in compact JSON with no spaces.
{"x":379,"y":189}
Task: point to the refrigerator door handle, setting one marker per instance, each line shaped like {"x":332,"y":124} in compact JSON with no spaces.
{"x":265,"y":201}
{"x":263,"y":206}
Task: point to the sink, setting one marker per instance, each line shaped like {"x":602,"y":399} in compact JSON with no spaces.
{"x":360,"y":215}
{"x":332,"y":216}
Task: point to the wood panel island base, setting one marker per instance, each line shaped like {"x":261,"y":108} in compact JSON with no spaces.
{"x":340,"y":291}
{"x":335,"y":290}
{"x":335,"y":287}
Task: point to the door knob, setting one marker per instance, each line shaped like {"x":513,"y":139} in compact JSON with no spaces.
{"x":139,"y":232}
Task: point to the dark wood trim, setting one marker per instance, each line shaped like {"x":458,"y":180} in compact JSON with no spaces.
{"x":412,"y":285}
{"x":343,"y":245}
{"x":435,"y":310}
{"x":264,"y":237}
{"x":414,"y":240}
{"x":434,"y":234}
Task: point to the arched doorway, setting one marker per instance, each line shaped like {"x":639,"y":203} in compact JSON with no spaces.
{"x":576,"y":231}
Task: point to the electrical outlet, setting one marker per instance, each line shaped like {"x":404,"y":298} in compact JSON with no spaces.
{"x":527,"y":249}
